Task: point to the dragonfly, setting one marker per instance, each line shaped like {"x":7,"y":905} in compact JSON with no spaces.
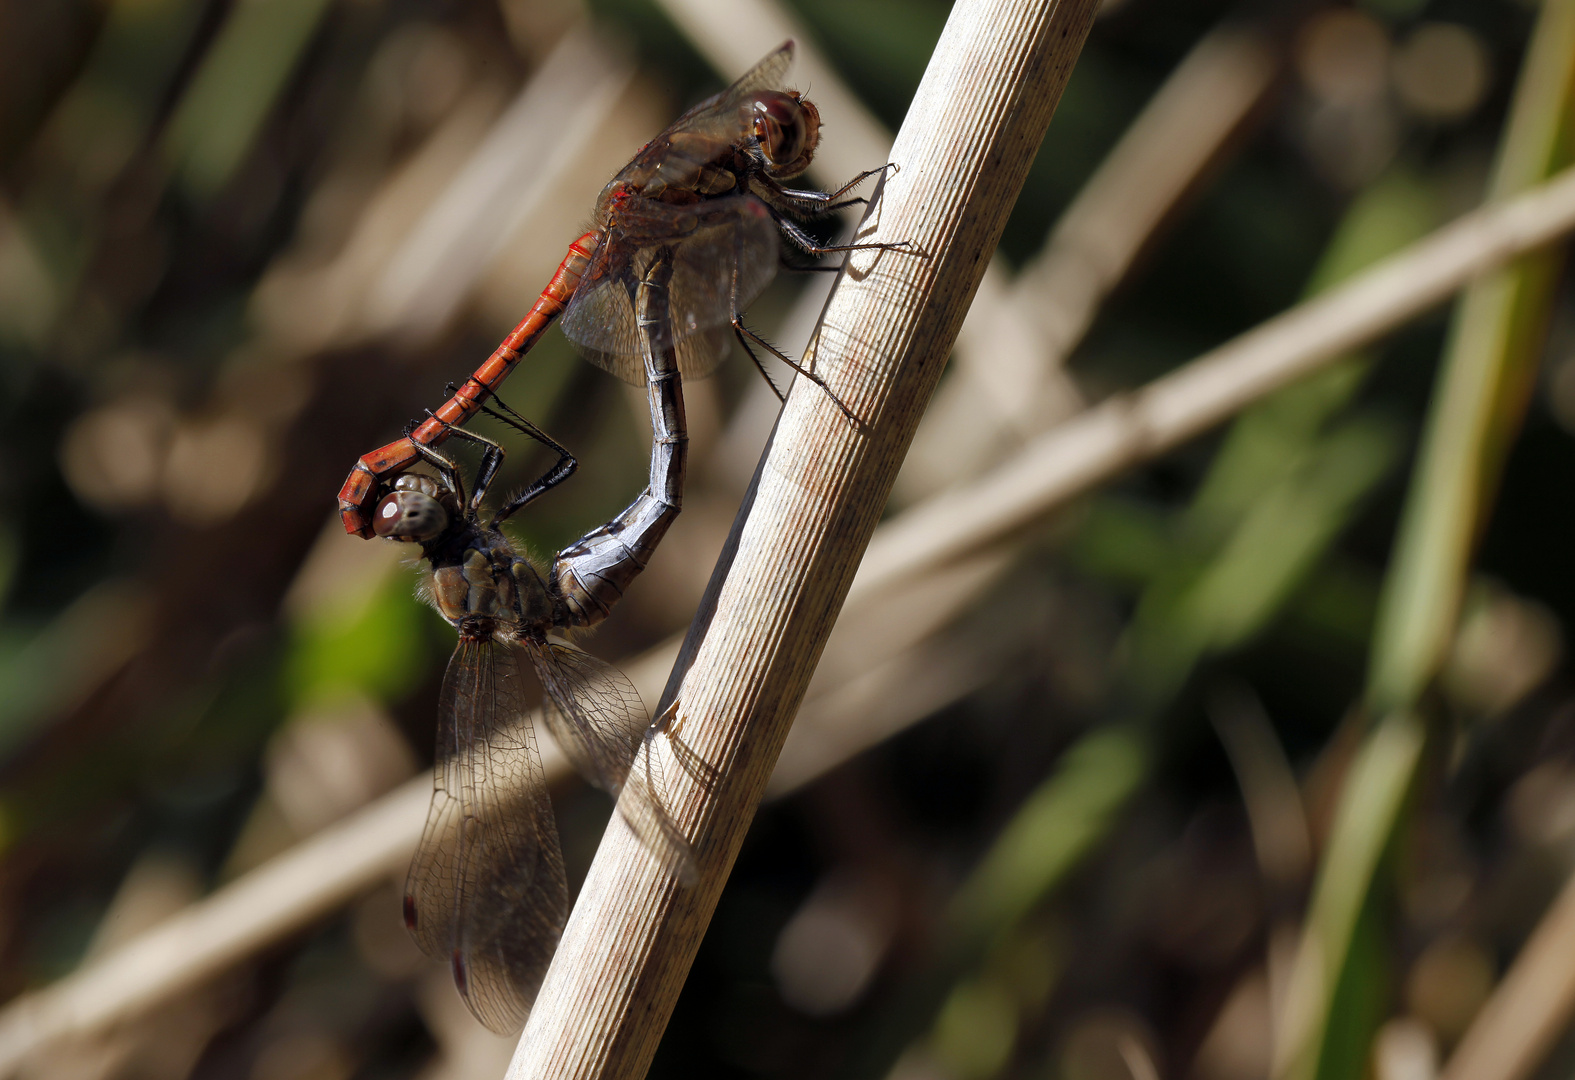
{"x":710,"y":189}
{"x":486,"y":892}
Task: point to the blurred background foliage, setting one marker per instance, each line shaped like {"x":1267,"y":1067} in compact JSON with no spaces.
{"x":221,"y":281}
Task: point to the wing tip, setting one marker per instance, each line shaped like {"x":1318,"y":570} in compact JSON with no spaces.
{"x":501,"y":1015}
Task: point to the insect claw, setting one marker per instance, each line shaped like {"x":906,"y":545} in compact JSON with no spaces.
{"x":668,"y":722}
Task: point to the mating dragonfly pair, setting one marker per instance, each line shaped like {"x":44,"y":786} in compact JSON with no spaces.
{"x":686,"y":235}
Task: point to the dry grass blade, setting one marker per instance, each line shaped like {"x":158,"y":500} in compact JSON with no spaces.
{"x":1127,"y":428}
{"x":1530,"y":1008}
{"x":1489,"y":364}
{"x":970,"y":135}
{"x":312,"y":880}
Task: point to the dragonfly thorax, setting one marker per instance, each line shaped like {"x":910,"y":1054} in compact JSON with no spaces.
{"x":712,"y":154}
{"x":481,"y":581}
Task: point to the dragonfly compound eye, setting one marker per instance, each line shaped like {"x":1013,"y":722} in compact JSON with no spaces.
{"x":409,"y":515}
{"x":788,"y":129}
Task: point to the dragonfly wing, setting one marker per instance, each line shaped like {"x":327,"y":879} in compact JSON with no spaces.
{"x":728,"y":116}
{"x":733,"y":233}
{"x":709,"y":240}
{"x":767,"y":74}
{"x":598,"y":720}
{"x":486,"y":891}
{"x":600,"y":322}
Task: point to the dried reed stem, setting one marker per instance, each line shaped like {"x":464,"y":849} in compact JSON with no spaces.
{"x":311,"y":880}
{"x":1530,"y":1007}
{"x":1072,"y":458}
{"x":964,"y":151}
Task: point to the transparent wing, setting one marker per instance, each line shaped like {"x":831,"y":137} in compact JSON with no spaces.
{"x":723,"y":116}
{"x":708,"y":240}
{"x":597,"y":717}
{"x":486,"y":891}
{"x":599,"y":318}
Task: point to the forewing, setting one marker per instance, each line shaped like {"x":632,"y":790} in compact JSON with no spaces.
{"x":486,"y":891}
{"x":600,"y":724}
{"x":769,"y":73}
{"x":600,"y":321}
{"x":735,"y":232}
{"x":709,"y":240}
{"x":727,"y":116}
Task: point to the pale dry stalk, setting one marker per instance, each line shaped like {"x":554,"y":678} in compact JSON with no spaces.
{"x":311,"y":880}
{"x":1075,"y":456}
{"x":964,"y":150}
{"x":1531,"y":1006}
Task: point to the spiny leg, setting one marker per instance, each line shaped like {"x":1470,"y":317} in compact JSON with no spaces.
{"x":556,"y":473}
{"x":745,"y":335}
{"x":807,"y":202}
{"x":806,"y":243}
{"x":486,"y":472}
{"x":515,"y":419}
{"x":448,"y":472}
{"x":522,"y":424}
{"x":814,"y":268}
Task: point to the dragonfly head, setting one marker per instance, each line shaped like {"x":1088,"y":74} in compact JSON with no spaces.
{"x":787,"y":130}
{"x":411,"y":512}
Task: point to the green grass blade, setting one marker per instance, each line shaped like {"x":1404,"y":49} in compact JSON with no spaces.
{"x":240,"y":78}
{"x":1489,"y":363}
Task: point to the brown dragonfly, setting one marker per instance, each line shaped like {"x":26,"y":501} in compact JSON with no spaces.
{"x":486,"y":891}
{"x":710,"y":189}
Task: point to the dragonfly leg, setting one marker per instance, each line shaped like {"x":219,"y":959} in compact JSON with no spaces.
{"x":807,"y":202}
{"x":491,"y":462}
{"x":520,"y":423}
{"x":813,"y":268}
{"x":448,"y":472}
{"x":556,"y":474}
{"x":745,"y":335}
{"x":806,"y":243}
{"x":818,"y":268}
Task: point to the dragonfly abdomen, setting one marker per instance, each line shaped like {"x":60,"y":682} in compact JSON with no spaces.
{"x":361,"y":488}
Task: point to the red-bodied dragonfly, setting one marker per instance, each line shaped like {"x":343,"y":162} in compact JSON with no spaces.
{"x":486,"y":891}
{"x":710,"y":189}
